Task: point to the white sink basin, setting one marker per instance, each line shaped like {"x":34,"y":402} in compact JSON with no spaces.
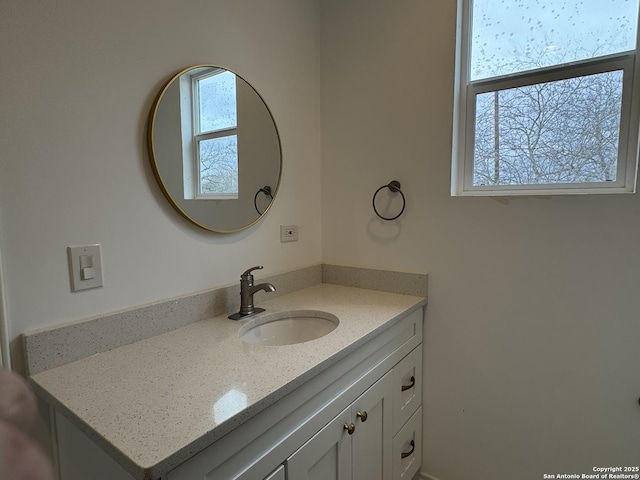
{"x":287,"y":328}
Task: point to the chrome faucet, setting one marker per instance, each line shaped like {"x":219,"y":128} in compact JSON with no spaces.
{"x":247,"y":290}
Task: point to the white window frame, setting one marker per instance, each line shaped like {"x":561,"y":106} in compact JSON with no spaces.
{"x":199,"y":136}
{"x":465,"y":92}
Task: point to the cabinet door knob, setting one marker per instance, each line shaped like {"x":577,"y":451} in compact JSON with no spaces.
{"x":350,"y":428}
{"x":411,"y":385}
{"x":407,"y":454}
{"x":362,"y":416}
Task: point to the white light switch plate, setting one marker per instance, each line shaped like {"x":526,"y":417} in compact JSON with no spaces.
{"x":88,"y":267}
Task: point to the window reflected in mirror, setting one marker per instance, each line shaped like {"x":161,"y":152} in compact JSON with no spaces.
{"x":210,"y":134}
{"x":215,"y":148}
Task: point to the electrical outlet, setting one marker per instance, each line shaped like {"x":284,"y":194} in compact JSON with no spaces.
{"x":288,"y":233}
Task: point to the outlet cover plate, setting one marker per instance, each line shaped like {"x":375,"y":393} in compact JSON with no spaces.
{"x":288,"y":233}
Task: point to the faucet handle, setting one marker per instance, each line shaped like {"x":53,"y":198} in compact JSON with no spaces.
{"x":248,"y":272}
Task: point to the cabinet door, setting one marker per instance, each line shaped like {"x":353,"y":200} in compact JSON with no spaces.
{"x":372,"y":440}
{"x":277,"y":475}
{"x":327,"y":455}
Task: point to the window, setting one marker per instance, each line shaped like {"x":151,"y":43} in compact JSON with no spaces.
{"x":211,"y":165}
{"x":545,"y":97}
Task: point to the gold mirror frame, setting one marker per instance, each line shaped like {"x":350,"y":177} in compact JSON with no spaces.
{"x":181,"y":205}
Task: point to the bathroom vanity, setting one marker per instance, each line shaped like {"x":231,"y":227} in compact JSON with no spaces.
{"x":198,"y":402}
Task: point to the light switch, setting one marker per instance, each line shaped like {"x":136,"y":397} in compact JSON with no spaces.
{"x":85,"y":267}
{"x":86,"y":261}
{"x":87,"y":272}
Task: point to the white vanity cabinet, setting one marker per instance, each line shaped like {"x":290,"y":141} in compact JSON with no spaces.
{"x":355,"y":445}
{"x":358,"y":444}
{"x":306,"y":435}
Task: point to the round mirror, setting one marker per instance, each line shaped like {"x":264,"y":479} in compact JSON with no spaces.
{"x":215,"y":148}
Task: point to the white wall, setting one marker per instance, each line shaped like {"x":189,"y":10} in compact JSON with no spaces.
{"x":78,"y":79}
{"x":531,"y":360}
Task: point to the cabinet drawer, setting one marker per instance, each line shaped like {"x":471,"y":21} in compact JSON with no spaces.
{"x":407,"y":448}
{"x":407,"y":388}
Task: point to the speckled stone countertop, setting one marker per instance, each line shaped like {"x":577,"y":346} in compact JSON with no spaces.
{"x":153,"y":404}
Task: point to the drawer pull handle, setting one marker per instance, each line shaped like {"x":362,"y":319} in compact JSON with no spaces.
{"x":410,"y":452}
{"x":411,"y":385}
{"x":350,"y":428}
{"x":363,"y":416}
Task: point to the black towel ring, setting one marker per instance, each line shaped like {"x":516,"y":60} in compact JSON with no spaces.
{"x":393,"y":186}
{"x":267,"y":191}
